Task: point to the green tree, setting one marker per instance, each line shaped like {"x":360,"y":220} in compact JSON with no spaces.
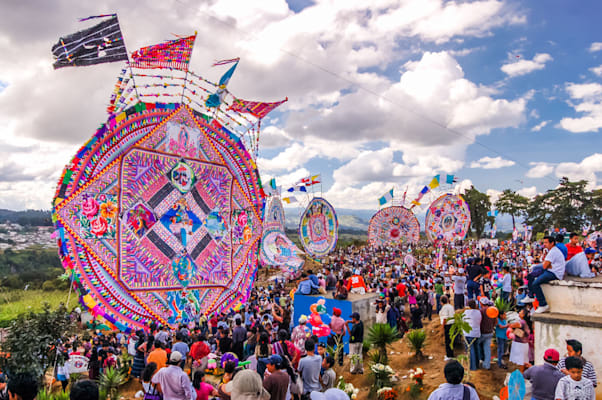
{"x":593,"y":209}
{"x":513,"y":204}
{"x":381,"y":336}
{"x":32,"y":338}
{"x":479,"y":204}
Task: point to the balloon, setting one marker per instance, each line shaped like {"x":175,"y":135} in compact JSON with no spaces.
{"x":504,"y":393}
{"x":508,"y":332}
{"x":314,"y":308}
{"x":321,"y":309}
{"x":321,"y":301}
{"x":326,"y":318}
{"x":321,"y":331}
{"x":315,"y":320}
{"x":492,"y":312}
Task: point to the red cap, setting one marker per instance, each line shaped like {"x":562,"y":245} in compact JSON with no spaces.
{"x":336,"y":311}
{"x":551,"y":355}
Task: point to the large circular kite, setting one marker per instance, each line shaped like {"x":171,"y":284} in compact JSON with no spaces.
{"x":318,"y":228}
{"x":447,"y":219}
{"x":591,"y":239}
{"x":393,"y":226}
{"x":159,"y":217}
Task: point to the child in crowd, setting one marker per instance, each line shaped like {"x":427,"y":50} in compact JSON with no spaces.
{"x":500,"y":337}
{"x":574,"y":386}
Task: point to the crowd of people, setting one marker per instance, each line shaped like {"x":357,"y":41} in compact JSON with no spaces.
{"x":263,"y":353}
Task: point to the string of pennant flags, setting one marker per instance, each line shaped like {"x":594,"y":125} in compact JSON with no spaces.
{"x":435,"y":182}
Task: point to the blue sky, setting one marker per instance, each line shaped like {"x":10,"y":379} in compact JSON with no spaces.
{"x":384,"y":93}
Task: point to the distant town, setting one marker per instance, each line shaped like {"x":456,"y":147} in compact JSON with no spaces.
{"x":18,"y":237}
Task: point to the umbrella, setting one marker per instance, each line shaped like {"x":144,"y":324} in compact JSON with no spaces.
{"x":516,"y":386}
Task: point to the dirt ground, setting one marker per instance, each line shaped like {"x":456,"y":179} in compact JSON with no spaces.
{"x":488,"y":383}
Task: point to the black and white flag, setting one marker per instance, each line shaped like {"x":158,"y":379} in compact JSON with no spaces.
{"x":101,"y":43}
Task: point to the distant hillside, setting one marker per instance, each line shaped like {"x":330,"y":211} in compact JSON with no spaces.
{"x":26,"y":218}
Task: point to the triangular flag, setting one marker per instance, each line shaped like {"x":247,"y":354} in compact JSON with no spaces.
{"x":434,"y":182}
{"x":386,"y":198}
{"x":450,"y":179}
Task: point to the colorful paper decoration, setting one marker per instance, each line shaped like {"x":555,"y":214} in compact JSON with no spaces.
{"x":276,"y":248}
{"x":447,"y":219}
{"x":318,"y":228}
{"x":159,"y":217}
{"x":170,"y":54}
{"x":392,"y":226}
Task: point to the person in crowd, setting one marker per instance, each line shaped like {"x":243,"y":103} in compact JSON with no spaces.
{"x":574,"y":386}
{"x":506,"y":284}
{"x":307,"y":286}
{"x":355,"y":328}
{"x":572,"y":246}
{"x":203,"y":389}
{"x":473,"y":316}
{"x":446,"y":316}
{"x":172,"y":382}
{"x":474,"y":272}
{"x":309,"y":368}
{"x":328,"y":377}
{"x":574,"y":348}
{"x":459,"y":288}
{"x":158,"y":356}
{"x":338,"y":328}
{"x":300,"y":334}
{"x":487,"y":331}
{"x":501,"y":339}
{"x":247,"y":385}
{"x":341,"y":291}
{"x":553,"y":269}
{"x":262,"y":351}
{"x":23,"y":386}
{"x":519,"y":351}
{"x":286,"y":348}
{"x":453,"y":389}
{"x":545,"y":377}
{"x":277,"y":382}
{"x":356,"y":284}
{"x":147,"y":375}
{"x":85,"y":389}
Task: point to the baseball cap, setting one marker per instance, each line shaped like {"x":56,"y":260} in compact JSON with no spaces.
{"x":175,"y":356}
{"x":355,"y":315}
{"x":336,"y":311}
{"x":330,"y":394}
{"x":321,"y":344}
{"x":274,"y":359}
{"x":551,"y":355}
{"x":247,"y":385}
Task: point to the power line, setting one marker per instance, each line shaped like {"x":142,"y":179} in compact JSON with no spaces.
{"x":378,"y":95}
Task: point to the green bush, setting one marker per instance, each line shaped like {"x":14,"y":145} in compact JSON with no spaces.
{"x":416,"y":341}
{"x":48,"y":286}
{"x":381,"y":336}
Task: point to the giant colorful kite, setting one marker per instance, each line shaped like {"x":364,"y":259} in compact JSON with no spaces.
{"x":447,"y":219}
{"x":319,"y":228}
{"x":276,"y":248}
{"x":158,"y":215}
{"x":393,"y":226}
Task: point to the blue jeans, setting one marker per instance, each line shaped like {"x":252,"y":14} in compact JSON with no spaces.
{"x":501,"y":349}
{"x":485,"y":349}
{"x":474,"y":289}
{"x":506,"y":296}
{"x":535,"y":287}
{"x":474,"y":352}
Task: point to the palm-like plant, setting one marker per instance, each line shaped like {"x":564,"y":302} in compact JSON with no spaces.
{"x":110,"y":381}
{"x":502,"y":306}
{"x":461,"y":327}
{"x":416,"y":341}
{"x":381,"y":336}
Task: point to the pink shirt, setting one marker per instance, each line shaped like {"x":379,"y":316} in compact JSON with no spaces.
{"x":203,"y":392}
{"x":337,"y":325}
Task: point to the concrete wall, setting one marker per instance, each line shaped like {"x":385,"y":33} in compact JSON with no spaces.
{"x":577,"y":297}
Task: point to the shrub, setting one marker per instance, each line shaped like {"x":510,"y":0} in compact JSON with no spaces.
{"x":380,"y":336}
{"x":110,"y":381}
{"x":48,"y":286}
{"x":416,"y":341}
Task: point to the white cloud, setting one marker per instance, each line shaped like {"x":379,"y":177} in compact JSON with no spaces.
{"x":595,"y":46}
{"x":328,"y":116}
{"x":597,"y":70}
{"x":524,"y":66}
{"x":492,"y":163}
{"x":540,"y":126}
{"x":493,"y":195}
{"x":539,"y":170}
{"x":586,"y":169}
{"x":528,"y":192}
{"x":588,"y":97}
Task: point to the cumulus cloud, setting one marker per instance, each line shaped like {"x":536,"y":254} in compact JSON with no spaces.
{"x":539,"y":170}
{"x":586,"y":99}
{"x":597,"y":70}
{"x":333,"y":111}
{"x":586,"y":169}
{"x":595,"y":46}
{"x":492,"y":163}
{"x":524,"y":66}
{"x":528,"y":192}
{"x":540,"y":126}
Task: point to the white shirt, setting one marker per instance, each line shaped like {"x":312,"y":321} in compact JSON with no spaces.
{"x":569,"y":389}
{"x":447,"y":313}
{"x":473,"y":317}
{"x":556,"y":258}
{"x":507,"y":283}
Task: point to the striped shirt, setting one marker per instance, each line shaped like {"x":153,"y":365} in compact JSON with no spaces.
{"x":588,"y":371}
